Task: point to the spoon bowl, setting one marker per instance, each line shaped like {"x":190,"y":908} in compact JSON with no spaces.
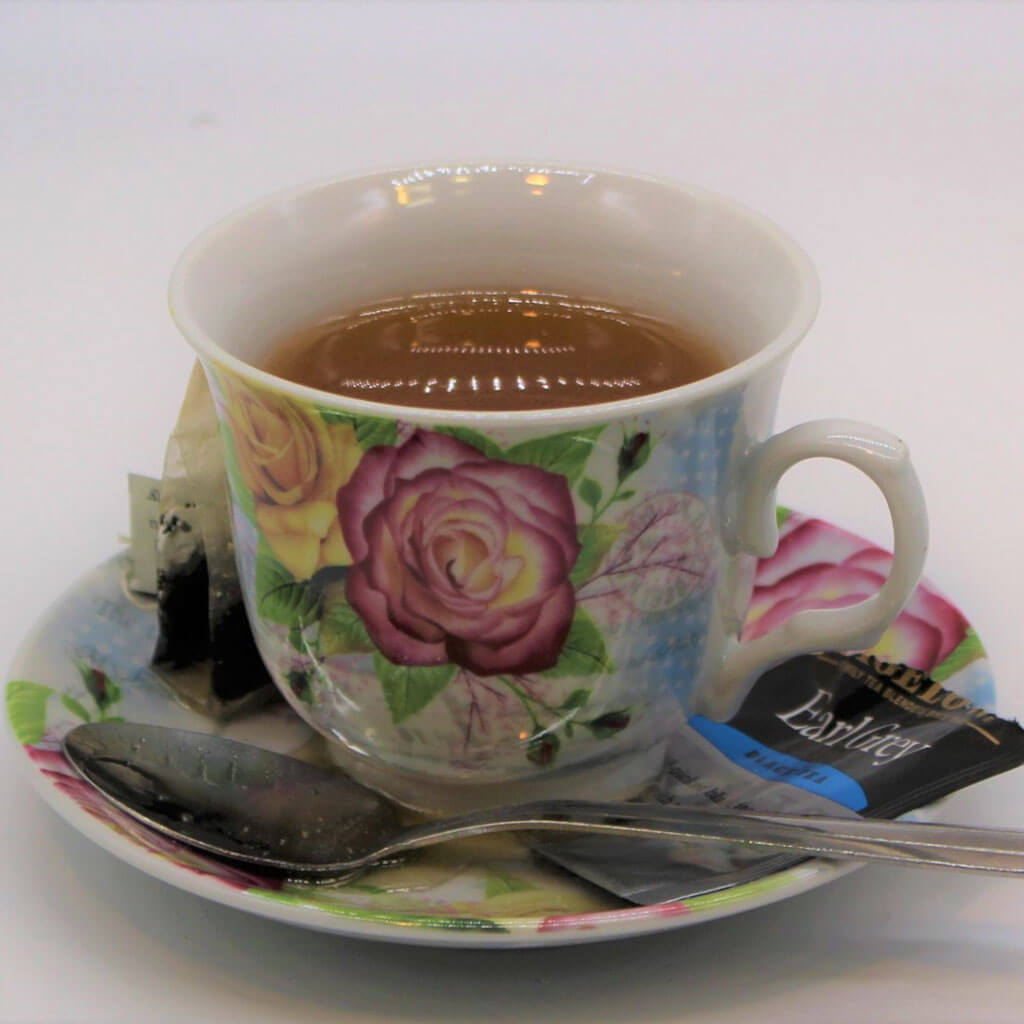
{"x":232,"y":799}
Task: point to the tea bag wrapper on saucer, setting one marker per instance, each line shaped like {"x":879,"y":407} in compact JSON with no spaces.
{"x":205,"y":650}
{"x":834,"y":733}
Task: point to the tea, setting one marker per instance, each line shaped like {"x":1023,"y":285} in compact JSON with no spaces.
{"x":493,"y":350}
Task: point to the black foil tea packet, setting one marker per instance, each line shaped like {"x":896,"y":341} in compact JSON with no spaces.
{"x":828,"y":734}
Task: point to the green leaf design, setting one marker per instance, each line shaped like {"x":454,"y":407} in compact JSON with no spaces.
{"x":342,"y":630}
{"x":410,"y":688}
{"x":75,"y":708}
{"x":500,"y":884}
{"x":113,"y":695}
{"x":239,"y":488}
{"x":334,"y":416}
{"x":566,"y":454}
{"x":476,"y":440}
{"x":280,"y":596}
{"x":624,"y":495}
{"x":969,"y":649}
{"x":26,"y":710}
{"x":583,"y":653}
{"x":103,"y":690}
{"x":781,"y":515}
{"x":576,"y":699}
{"x":309,"y":896}
{"x":590,"y":491}
{"x":596,"y":540}
{"x":371,"y":432}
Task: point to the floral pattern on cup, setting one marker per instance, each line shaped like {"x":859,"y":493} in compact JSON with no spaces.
{"x":293,"y":463}
{"x":459,"y":557}
{"x":494,"y":573}
{"x":805,"y":573}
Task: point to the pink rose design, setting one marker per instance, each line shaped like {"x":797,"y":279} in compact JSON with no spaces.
{"x":458,"y":557}
{"x":818,"y":566}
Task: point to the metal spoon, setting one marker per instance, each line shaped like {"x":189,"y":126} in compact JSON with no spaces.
{"x":317,"y":824}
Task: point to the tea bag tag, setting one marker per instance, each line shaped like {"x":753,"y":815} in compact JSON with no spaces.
{"x":144,"y":502}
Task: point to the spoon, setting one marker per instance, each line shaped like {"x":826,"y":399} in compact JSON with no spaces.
{"x":317,"y":824}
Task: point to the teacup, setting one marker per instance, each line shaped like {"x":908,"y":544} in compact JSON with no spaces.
{"x":618,"y":539}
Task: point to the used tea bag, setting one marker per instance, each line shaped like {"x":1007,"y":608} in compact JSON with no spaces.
{"x":205,"y":649}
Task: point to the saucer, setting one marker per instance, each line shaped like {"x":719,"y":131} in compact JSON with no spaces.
{"x":88,"y":660}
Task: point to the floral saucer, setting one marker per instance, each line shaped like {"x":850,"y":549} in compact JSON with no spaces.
{"x":88,"y":660}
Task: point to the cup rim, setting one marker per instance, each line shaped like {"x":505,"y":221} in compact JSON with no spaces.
{"x":736,"y":374}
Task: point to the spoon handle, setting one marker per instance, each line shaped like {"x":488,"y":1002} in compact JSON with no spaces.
{"x":1000,"y":851}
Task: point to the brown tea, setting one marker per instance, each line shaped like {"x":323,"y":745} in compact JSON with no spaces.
{"x":493,"y":350}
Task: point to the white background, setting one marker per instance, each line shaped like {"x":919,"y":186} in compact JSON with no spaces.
{"x":887,"y":137}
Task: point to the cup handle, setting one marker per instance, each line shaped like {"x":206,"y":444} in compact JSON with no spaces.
{"x":752,"y":529}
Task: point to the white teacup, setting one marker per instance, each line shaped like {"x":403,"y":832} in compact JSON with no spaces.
{"x":618,"y":539}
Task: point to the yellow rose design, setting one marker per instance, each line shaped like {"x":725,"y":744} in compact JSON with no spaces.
{"x":294,"y":464}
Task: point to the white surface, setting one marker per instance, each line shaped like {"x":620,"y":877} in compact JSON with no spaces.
{"x":888,"y":138}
